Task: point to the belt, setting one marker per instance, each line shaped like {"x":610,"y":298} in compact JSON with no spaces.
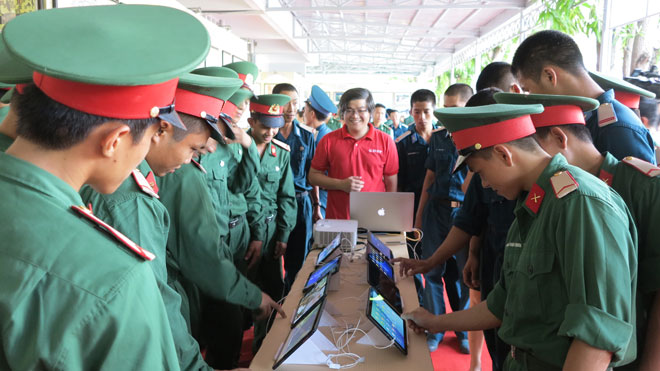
{"x":447,"y":202}
{"x":301,"y":194}
{"x":269,"y":218}
{"x":528,"y":360}
{"x":235,"y":222}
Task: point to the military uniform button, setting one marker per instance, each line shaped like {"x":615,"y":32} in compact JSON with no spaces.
{"x":530,"y":269}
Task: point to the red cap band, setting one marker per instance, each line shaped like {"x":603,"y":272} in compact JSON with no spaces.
{"x":20,"y":88}
{"x":194,"y":104}
{"x":273,"y":110}
{"x":492,"y":134}
{"x":242,"y":77}
{"x":122,"y":102}
{"x":630,"y":100}
{"x":559,"y":115}
{"x":230,"y":109}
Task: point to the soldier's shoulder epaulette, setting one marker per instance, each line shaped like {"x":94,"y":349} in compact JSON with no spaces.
{"x":198,"y":165}
{"x":135,"y":248}
{"x":303,"y":126}
{"x":402,"y":136}
{"x":563,"y":183}
{"x":281,"y":144}
{"x":642,"y":166}
{"x":146,"y":186}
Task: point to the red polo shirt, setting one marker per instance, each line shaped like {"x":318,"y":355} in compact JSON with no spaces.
{"x":372,"y":157}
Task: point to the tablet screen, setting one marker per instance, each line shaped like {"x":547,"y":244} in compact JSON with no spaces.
{"x":387,"y":319}
{"x":321,"y":272}
{"x":381,"y":263}
{"x":309,"y":299}
{"x":380,"y":246}
{"x":299,"y":334}
{"x":328,"y":249}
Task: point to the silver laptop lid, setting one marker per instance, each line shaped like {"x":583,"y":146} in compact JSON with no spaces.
{"x":383,"y":211}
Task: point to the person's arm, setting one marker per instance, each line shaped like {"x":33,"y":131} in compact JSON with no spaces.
{"x":428,"y":181}
{"x":471,"y":270}
{"x":390,"y":183}
{"x":255,"y":220}
{"x":348,"y":185}
{"x":583,"y":357}
{"x":287,"y":208}
{"x":475,"y":318}
{"x":650,"y":360}
{"x":466,"y":182}
{"x":247,"y":167}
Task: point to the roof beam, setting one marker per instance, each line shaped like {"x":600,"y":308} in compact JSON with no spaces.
{"x":470,"y":4}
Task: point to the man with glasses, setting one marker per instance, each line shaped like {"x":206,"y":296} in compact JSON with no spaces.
{"x":357,"y":158}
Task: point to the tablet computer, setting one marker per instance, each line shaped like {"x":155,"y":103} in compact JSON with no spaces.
{"x":309,"y":300}
{"x":328,"y":250}
{"x":380,"y":246}
{"x":327,"y":269}
{"x":387,"y":320}
{"x":300,"y":333}
{"x":380,"y":274}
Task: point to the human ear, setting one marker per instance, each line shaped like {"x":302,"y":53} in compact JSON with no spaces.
{"x":111,"y":140}
{"x":504,"y":154}
{"x":560,"y":137}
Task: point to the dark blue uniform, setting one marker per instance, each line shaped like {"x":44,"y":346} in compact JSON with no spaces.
{"x":626,"y":136}
{"x":321,"y":131}
{"x":303,"y":147}
{"x":400,"y":130}
{"x":413,"y":151}
{"x":437,"y":219}
{"x":484,"y":211}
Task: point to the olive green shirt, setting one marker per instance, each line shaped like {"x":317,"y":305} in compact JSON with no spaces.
{"x":72,"y":297}
{"x":569,"y":271}
{"x":144,"y":219}
{"x":386,"y":129}
{"x":278,"y":193}
{"x":5,"y":142}
{"x":4,"y":111}
{"x":195,"y":246}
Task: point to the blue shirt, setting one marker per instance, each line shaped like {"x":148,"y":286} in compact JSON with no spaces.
{"x":627,"y":136}
{"x":400,"y":130}
{"x":321,"y":131}
{"x":413,"y":151}
{"x":441,"y":159}
{"x":303,"y":147}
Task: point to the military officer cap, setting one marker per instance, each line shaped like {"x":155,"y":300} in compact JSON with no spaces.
{"x":320,"y":101}
{"x":624,"y":92}
{"x":13,"y":74}
{"x":558,"y":109}
{"x":203,"y":96}
{"x":246,"y":71}
{"x":270,"y":108}
{"x":118,"y":61}
{"x":481,"y":127}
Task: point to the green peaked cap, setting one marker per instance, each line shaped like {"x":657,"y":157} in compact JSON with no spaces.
{"x":461,"y":118}
{"x":608,"y":82}
{"x":216,"y":71}
{"x":217,"y":87}
{"x":11,"y":70}
{"x":548,"y":100}
{"x":240,"y":96}
{"x":121,"y":45}
{"x":245,"y":69}
{"x":270,"y":108}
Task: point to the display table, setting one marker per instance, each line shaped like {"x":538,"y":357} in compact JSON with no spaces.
{"x":346,"y":306}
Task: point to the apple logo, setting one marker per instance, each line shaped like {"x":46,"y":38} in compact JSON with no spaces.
{"x":381,"y":212}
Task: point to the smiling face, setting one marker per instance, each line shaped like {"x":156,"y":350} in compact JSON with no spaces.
{"x":356,"y":115}
{"x":260,"y":132}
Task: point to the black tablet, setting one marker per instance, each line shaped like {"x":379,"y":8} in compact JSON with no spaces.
{"x":328,"y":268}
{"x":381,"y":264}
{"x":380,"y":246}
{"x":310,"y":299}
{"x":332,"y":246}
{"x":380,"y":274}
{"x":300,"y":333}
{"x":387,"y":320}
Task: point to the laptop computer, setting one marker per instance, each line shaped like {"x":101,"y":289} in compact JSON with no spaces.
{"x":383,"y":211}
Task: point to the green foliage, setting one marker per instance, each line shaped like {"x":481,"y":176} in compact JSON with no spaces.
{"x":571,"y":17}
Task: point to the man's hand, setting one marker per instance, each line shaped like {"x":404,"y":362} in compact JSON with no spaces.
{"x":352,"y":184}
{"x":411,"y":267}
{"x":280,"y":249}
{"x":316,"y":216}
{"x":253,"y":253}
{"x":241,"y":135}
{"x":420,"y":320}
{"x":211,"y":145}
{"x":267,"y":305}
{"x":471,"y":272}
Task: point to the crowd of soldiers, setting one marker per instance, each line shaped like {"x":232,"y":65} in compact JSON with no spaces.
{"x":141,"y":224}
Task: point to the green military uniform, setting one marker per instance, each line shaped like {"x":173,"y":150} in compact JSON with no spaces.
{"x":334,"y":124}
{"x":5,"y":142}
{"x":570,"y":263}
{"x":137,"y":213}
{"x":386,"y":129}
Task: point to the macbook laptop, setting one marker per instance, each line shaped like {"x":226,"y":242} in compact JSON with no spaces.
{"x":383,"y":211}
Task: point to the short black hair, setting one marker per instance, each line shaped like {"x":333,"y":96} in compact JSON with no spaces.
{"x":279,"y":88}
{"x":193,"y":124}
{"x":495,"y":75}
{"x":380,"y":105}
{"x":579,"y":131}
{"x":527,"y":144}
{"x":483,"y":97}
{"x":423,"y":95}
{"x":55,"y":126}
{"x":544,"y":48}
{"x":464,"y":91}
{"x":353,"y":94}
{"x":648,"y":107}
{"x":319,"y":115}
